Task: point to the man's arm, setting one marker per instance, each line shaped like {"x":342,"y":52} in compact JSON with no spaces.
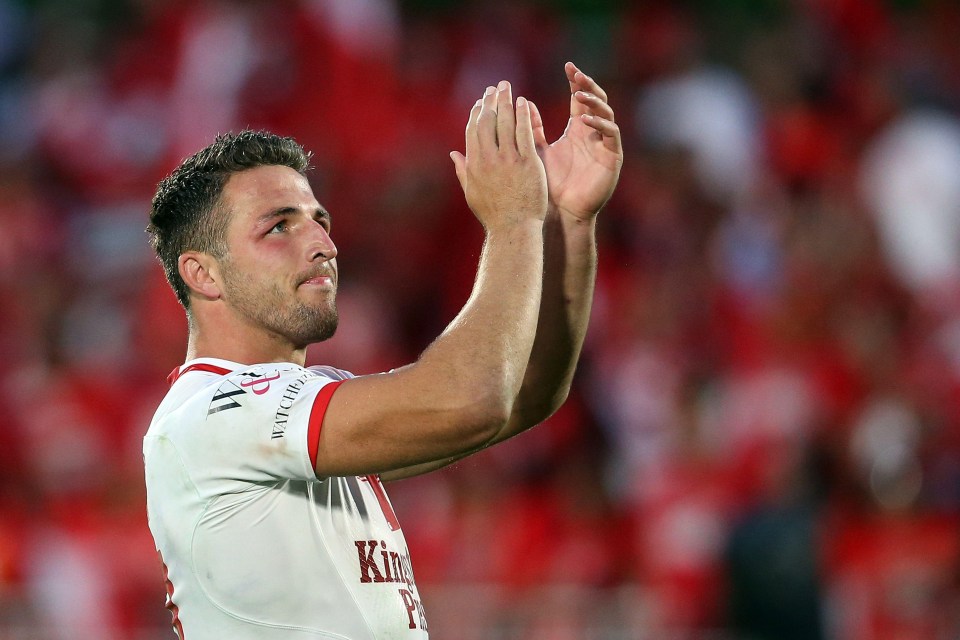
{"x":582,"y":167}
{"x":461,"y":391}
{"x":569,"y":274}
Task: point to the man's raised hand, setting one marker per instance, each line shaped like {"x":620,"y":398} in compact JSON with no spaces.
{"x":502,"y":176}
{"x":583,"y":165}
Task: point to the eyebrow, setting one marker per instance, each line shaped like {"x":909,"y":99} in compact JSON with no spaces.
{"x":319,"y":212}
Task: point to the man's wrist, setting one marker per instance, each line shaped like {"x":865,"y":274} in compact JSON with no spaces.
{"x":514,"y":226}
{"x":571,"y":219}
{"x":577,"y":234}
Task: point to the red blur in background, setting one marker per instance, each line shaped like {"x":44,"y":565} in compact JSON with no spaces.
{"x":763,"y":439}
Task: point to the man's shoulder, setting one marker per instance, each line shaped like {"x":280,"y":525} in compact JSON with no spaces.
{"x":206,"y":388}
{"x":203,"y":373}
{"x":330,"y":372}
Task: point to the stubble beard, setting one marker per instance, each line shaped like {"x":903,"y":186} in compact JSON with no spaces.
{"x":296,"y":321}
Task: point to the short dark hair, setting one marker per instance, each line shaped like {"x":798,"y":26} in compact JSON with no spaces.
{"x":183,"y":213}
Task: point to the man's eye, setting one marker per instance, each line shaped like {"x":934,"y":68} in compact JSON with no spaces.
{"x":280,"y":226}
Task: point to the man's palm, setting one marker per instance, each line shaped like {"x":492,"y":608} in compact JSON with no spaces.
{"x":583,"y":165}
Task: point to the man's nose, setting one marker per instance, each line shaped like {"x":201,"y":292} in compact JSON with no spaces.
{"x":321,"y":246}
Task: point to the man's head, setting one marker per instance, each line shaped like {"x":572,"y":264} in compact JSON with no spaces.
{"x":186,"y":214}
{"x":237,"y":224}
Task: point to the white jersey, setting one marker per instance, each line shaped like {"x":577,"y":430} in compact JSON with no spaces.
{"x":254,"y":545}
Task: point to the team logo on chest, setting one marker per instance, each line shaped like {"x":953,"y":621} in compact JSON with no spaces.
{"x":231,"y":391}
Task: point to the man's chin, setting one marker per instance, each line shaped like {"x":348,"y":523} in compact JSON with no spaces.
{"x":306,"y":325}
{"x":325,"y":328}
{"x":327,"y":333}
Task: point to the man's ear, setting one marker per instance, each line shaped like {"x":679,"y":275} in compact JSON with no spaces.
{"x":201,"y":273}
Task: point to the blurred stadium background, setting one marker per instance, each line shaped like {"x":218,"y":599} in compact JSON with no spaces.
{"x":764,"y":437}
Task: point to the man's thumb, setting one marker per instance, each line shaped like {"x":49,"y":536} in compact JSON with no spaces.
{"x":459,"y":164}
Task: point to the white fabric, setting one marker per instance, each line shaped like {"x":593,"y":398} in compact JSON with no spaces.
{"x":255,"y":546}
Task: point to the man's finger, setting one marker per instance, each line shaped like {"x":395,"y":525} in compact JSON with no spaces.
{"x":583,"y":82}
{"x":525,"y":137}
{"x":594,"y":105}
{"x":506,"y":118}
{"x":586,"y":83}
{"x":576,"y":107}
{"x":571,"y":70}
{"x":539,"y":135}
{"x":487,"y":121}
{"x":471,"y":132}
{"x":609,"y":132}
{"x":460,"y":166}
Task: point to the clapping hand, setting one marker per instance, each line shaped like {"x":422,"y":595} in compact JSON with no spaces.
{"x":583,"y":165}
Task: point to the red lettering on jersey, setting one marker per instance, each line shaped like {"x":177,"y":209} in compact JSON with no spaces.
{"x":399,"y":573}
{"x":386,"y":564}
{"x":254,"y":383}
{"x":365,"y":550}
{"x":174,"y":609}
{"x":378,"y":491}
{"x":410,"y":604}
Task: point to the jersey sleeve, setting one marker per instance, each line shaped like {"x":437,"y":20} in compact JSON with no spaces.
{"x":259,"y":424}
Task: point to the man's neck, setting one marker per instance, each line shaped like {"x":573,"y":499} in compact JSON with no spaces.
{"x":243,"y":354}
{"x":240,"y":344}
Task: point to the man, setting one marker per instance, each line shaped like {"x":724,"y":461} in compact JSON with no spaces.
{"x":263,"y":477}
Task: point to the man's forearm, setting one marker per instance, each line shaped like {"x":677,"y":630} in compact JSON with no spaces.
{"x":460,"y":393}
{"x":570,"y":259}
{"x":570,"y":268}
{"x":488,"y":344}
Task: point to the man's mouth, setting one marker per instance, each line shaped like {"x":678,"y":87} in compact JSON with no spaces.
{"x":320,"y":280}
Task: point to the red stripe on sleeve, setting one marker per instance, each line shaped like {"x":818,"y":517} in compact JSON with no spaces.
{"x":320,"y":404}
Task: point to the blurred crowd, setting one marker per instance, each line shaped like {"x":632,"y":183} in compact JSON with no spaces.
{"x":763,"y":441}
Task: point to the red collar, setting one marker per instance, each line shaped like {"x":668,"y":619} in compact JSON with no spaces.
{"x":199,"y":366}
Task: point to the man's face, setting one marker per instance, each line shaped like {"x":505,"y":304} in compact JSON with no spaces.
{"x":280,"y":270}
